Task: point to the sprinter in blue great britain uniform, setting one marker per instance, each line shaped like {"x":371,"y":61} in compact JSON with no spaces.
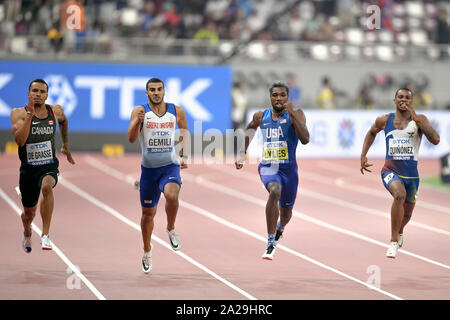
{"x":155,"y":124}
{"x":403,"y":133}
{"x":34,"y":130}
{"x":281,"y":128}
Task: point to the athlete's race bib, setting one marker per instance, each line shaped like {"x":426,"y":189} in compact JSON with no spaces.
{"x":275,"y":151}
{"x":401,"y":149}
{"x":159,"y":144}
{"x":39,"y":153}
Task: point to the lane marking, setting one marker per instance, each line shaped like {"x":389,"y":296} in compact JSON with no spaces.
{"x":127,"y":178}
{"x":330,"y":166}
{"x":306,"y":217}
{"x":336,"y":201}
{"x":135,"y":226}
{"x":63,"y":257}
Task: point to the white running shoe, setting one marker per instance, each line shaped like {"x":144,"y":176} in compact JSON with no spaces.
{"x":26,"y":243}
{"x":147,"y":260}
{"x":400,"y":240}
{"x":392,"y":250}
{"x":175,"y":241}
{"x":46,"y":243}
{"x":269,"y":252}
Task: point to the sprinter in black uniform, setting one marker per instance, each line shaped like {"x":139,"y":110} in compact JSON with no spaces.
{"x":34,"y":129}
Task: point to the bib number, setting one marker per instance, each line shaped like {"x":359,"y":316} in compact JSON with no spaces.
{"x":39,"y":153}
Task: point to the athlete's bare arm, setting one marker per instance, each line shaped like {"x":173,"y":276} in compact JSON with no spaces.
{"x":298,"y":121}
{"x":21,"y":123}
{"x":378,"y":125}
{"x":136,"y":119}
{"x":249,"y":134}
{"x":58,"y":111}
{"x":425,"y":126}
{"x":184,"y":135}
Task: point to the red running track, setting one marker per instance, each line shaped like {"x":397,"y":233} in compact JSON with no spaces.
{"x":333,"y":248}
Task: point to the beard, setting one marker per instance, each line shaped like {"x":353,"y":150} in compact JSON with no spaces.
{"x":278,"y":109}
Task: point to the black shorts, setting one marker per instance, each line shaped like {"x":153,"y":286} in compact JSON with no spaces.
{"x":30,"y":182}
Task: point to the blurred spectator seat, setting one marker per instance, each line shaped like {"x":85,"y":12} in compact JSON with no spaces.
{"x":320,"y":52}
{"x":398,"y":9}
{"x":418,"y":37}
{"x":414,"y":9}
{"x":385,"y":36}
{"x":19,"y":45}
{"x":129,"y":17}
{"x":402,"y":38}
{"x":355,"y":36}
{"x":384,"y":53}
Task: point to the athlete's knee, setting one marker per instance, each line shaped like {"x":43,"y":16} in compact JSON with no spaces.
{"x":149,"y":213}
{"x":274,"y":191}
{"x":171,"y":196}
{"x":29,"y":213}
{"x":47,"y":190}
{"x":399,"y":195}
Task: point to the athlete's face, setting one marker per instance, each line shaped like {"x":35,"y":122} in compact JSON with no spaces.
{"x":403,"y":100}
{"x":278,"y":98}
{"x":155,"y":92}
{"x":38,"y":91}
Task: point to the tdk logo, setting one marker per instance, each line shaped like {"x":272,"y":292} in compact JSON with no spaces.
{"x":64,"y":93}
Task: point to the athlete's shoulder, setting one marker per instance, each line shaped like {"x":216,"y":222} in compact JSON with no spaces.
{"x":20,"y":110}
{"x":178,"y":109}
{"x":56,"y":108}
{"x":382,"y":120}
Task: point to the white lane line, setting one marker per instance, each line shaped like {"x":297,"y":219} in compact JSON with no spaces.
{"x":63,"y":257}
{"x":135,"y":226}
{"x":238,"y":194}
{"x":335,"y":201}
{"x":117,"y":174}
{"x":330,"y":166}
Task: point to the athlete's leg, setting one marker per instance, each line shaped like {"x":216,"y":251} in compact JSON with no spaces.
{"x":171,"y":192}
{"x":147,"y":224}
{"x":285,"y":216}
{"x":408,"y":210}
{"x":47,"y":202}
{"x":397,"y":210}
{"x":272,"y":208}
{"x":27,"y":216}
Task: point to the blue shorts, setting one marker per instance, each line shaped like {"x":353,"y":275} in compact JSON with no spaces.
{"x":153,"y":181}
{"x":411,"y":184}
{"x":286,"y":177}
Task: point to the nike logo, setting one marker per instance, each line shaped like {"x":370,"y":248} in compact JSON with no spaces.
{"x":35,"y":122}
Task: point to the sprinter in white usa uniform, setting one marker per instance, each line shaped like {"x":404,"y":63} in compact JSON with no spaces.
{"x":154,"y":124}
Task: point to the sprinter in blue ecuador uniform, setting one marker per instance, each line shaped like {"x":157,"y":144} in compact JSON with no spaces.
{"x":154,"y":124}
{"x":403,"y":133}
{"x":281,"y":128}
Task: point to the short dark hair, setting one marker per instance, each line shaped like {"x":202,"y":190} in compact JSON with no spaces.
{"x":153,"y":80}
{"x":404,"y":88}
{"x":279,"y":84}
{"x":38,"y":80}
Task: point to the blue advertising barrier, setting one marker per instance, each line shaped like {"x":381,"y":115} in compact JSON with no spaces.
{"x":99,"y":97}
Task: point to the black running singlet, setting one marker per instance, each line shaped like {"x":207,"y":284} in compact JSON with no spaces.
{"x":39,"y":149}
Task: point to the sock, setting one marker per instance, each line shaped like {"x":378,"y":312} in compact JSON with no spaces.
{"x":271,"y":239}
{"x":280,"y":227}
